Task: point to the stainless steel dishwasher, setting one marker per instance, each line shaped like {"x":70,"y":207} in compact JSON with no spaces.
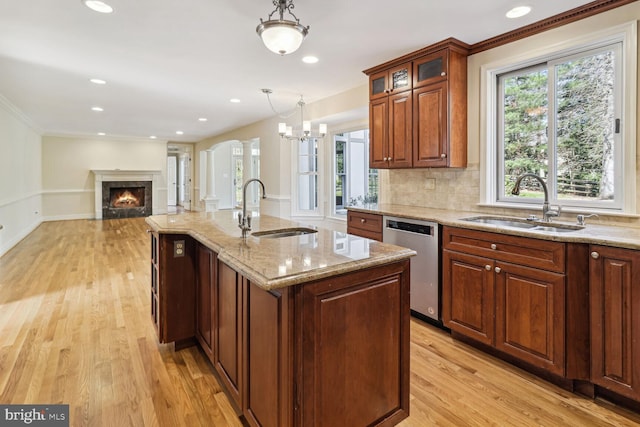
{"x":422,"y":237}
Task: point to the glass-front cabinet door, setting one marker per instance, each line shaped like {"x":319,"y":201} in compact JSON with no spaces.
{"x":431,"y":69}
{"x":390,"y":81}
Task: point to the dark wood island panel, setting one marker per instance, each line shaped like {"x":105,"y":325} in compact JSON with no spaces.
{"x":333,"y":351}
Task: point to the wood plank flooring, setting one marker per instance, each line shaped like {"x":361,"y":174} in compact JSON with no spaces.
{"x":75,"y":328}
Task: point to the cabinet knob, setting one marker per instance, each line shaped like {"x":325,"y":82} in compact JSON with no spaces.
{"x":498,"y":270}
{"x":363,"y":220}
{"x":494,"y":246}
{"x":595,"y":255}
{"x":444,"y":156}
{"x":443,"y":74}
{"x":487,"y":267}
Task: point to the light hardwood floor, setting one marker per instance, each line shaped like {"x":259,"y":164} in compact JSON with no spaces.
{"x":75,"y":328}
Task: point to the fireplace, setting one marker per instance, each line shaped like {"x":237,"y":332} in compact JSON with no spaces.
{"x":126,"y":199}
{"x":135,"y":203}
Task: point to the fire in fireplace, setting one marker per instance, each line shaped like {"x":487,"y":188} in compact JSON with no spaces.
{"x":126,"y":199}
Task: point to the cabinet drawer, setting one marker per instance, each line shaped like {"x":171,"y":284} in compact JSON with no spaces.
{"x":524,"y":251}
{"x":365,"y":225}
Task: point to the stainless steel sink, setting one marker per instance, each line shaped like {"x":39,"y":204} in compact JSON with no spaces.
{"x":504,"y":222}
{"x":524,"y":224}
{"x":284,"y":232}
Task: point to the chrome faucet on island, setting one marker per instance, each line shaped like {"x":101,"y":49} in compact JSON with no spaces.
{"x":547,"y":212}
{"x":244,"y":220}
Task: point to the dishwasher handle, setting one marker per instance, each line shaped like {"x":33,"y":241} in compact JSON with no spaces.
{"x":410,"y":227}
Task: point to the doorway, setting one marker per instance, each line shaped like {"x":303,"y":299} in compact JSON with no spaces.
{"x":179,"y":172}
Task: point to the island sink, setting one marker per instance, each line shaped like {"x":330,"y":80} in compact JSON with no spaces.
{"x":284,"y":232}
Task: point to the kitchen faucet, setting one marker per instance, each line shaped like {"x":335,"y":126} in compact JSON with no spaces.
{"x":547,"y":212}
{"x":244,"y":220}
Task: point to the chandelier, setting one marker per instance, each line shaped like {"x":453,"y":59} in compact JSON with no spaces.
{"x":304,"y":132}
{"x":280,"y":35}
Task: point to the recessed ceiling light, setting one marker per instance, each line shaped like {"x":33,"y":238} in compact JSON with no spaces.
{"x":153,"y":137}
{"x":101,"y":133}
{"x":310,"y":59}
{"x":97,"y":108}
{"x":98,"y":81}
{"x":202,"y":119}
{"x":234,"y":100}
{"x":98,"y":6}
{"x":179,"y":132}
{"x":518,"y":11}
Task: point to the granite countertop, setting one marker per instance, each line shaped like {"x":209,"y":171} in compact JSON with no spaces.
{"x":608,"y":235}
{"x":272,"y":263}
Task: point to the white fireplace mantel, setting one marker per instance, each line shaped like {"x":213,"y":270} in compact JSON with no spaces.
{"x":126,"y":175}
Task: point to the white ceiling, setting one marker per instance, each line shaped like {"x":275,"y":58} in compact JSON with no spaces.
{"x":170,"y":62}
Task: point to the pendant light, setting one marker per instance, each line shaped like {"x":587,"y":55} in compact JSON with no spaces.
{"x":282,"y":36}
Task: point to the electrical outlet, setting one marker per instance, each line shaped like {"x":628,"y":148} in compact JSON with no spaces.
{"x":178,"y":248}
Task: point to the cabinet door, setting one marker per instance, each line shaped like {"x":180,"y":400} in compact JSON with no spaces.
{"x":468,"y":295}
{"x":268,"y":364}
{"x":205,"y":287}
{"x":389,"y":81}
{"x":400,"y":128}
{"x":430,"y":130}
{"x":614,"y":276}
{"x":430,"y":69}
{"x":530,"y":307}
{"x":353,"y":340}
{"x":378,"y":133}
{"x":228,"y":330}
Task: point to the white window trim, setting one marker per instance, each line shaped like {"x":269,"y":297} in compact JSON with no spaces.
{"x":627,"y":33}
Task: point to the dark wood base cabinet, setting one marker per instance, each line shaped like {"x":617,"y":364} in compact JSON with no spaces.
{"x":520,"y":296}
{"x":333,"y":352}
{"x":615,"y":320}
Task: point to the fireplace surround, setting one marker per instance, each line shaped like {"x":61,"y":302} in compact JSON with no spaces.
{"x":126,"y":193}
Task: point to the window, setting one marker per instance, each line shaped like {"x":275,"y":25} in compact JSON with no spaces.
{"x":355,"y":184}
{"x":568,"y":116}
{"x":561,"y":120}
{"x":307,"y":175}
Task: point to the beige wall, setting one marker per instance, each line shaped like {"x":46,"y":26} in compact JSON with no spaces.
{"x":460,"y":189}
{"x":68,"y":183}
{"x":20,"y":176}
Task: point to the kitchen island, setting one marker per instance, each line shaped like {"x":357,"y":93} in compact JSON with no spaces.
{"x":305,"y":330}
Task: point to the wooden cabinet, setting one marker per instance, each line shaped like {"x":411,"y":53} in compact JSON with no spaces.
{"x":511,"y":293}
{"x":354,"y":349}
{"x":390,"y":131}
{"x":615,"y":319}
{"x":173,"y":287}
{"x":393,"y":80}
{"x":206,"y":282}
{"x":364,"y":225}
{"x":228,"y":330}
{"x":426,"y":125}
{"x":291,"y":356}
{"x":268,"y":363}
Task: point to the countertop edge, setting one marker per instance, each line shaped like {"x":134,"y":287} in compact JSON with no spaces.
{"x":606,"y":235}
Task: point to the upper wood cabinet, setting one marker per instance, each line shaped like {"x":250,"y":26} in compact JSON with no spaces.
{"x":418,"y":108}
{"x":390,"y":81}
{"x":431,"y":68}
